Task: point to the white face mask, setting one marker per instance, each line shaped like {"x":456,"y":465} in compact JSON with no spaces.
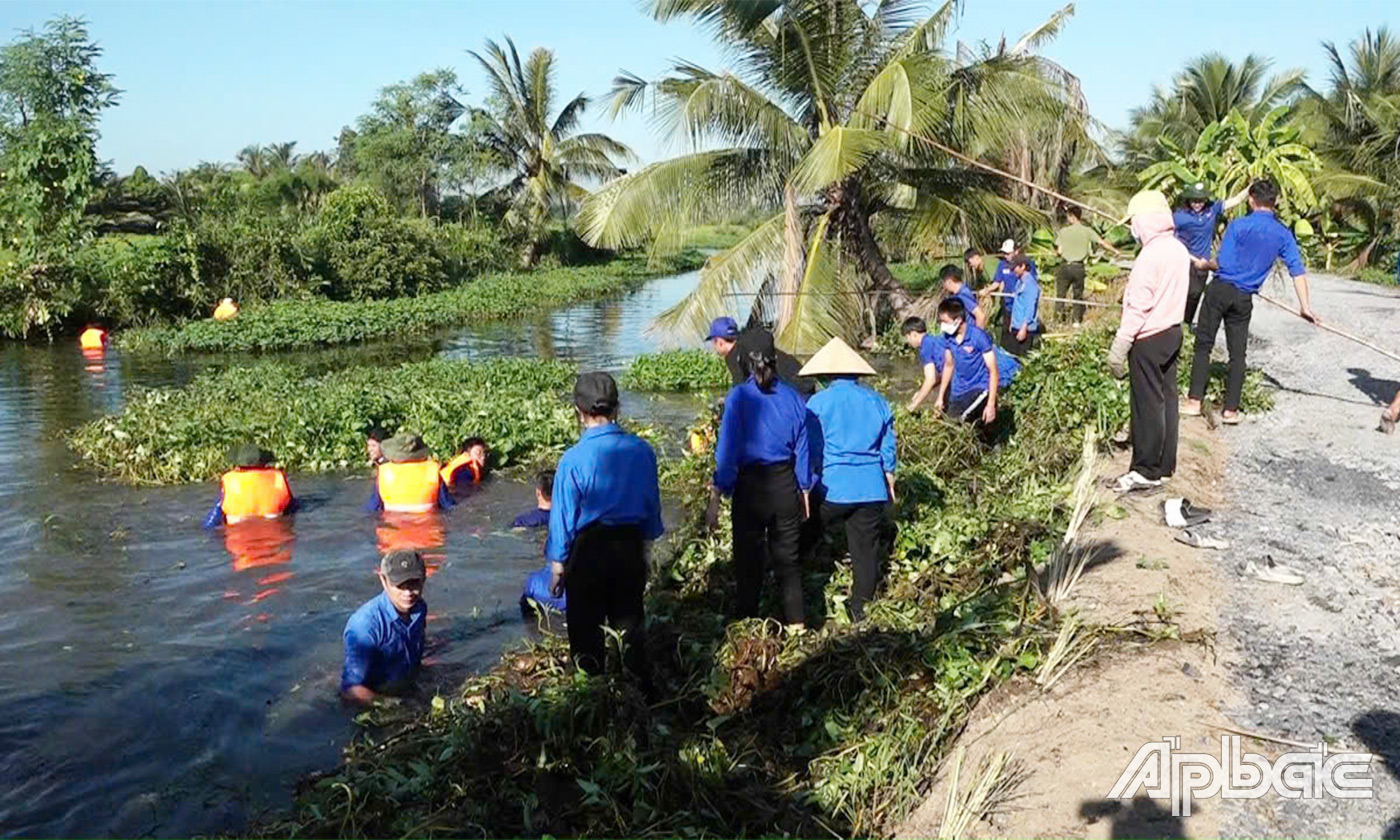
{"x":948,"y":329}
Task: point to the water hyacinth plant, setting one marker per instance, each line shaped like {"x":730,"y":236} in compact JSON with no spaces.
{"x":677,"y":370}
{"x":314,"y":322}
{"x":318,"y":423}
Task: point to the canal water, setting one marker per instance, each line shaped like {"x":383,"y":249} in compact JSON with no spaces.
{"x":158,"y":679}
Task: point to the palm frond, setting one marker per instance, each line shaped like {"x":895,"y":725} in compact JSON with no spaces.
{"x":1046,"y":32}
{"x":836,"y":154}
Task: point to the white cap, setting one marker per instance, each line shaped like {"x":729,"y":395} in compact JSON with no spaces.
{"x":1008,"y":247}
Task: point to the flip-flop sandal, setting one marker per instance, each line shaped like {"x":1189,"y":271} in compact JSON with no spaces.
{"x":1273,"y":572}
{"x":1231,"y":419}
{"x":1189,"y":412}
{"x":1180,"y":513}
{"x":1387,"y":424}
{"x":1197,"y":540}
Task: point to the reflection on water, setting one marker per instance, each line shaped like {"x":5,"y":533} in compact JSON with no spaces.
{"x":162,"y":679}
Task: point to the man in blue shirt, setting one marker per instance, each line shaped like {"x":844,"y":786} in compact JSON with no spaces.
{"x":1195,"y":222}
{"x":857,"y":463}
{"x":1251,"y":246}
{"x":930,"y":349}
{"x":974,"y":379}
{"x":544,"y":490}
{"x":1023,"y":327}
{"x":954,"y":287}
{"x":606,"y":506}
{"x":384,"y":638}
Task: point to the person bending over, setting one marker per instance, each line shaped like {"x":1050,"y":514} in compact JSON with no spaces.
{"x":969,"y":392}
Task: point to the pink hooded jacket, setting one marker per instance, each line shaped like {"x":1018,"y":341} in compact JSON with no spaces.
{"x":1155,"y":298}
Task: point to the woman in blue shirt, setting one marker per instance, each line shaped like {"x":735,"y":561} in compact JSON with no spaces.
{"x":762,"y":461}
{"x":857,"y":462}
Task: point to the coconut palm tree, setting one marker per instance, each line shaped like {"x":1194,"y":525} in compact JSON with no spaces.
{"x":820,"y":124}
{"x":544,"y":157}
{"x":1358,"y":121}
{"x":1203,"y":93}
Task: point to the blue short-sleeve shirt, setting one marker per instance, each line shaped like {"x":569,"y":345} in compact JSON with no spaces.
{"x":970,"y":374}
{"x":1197,"y":230}
{"x":383,"y":648}
{"x":1250,"y":248}
{"x":931,"y":351}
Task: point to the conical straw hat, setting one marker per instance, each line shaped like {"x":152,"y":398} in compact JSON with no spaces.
{"x":837,"y":359}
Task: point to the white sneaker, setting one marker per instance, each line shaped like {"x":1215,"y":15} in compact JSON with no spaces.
{"x":1132,"y":482}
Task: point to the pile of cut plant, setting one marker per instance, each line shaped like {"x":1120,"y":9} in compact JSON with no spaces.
{"x":833,"y":732}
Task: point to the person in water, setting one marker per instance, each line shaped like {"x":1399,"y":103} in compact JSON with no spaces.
{"x":93,"y":338}
{"x":733,"y":345}
{"x":763,"y":461}
{"x":374,"y":445}
{"x":539,"y":517}
{"x":226,"y":310}
{"x":384,"y":638}
{"x":409,"y":480}
{"x":468,"y":466}
{"x":857,"y":463}
{"x":606,"y":507}
{"x":252,"y":489}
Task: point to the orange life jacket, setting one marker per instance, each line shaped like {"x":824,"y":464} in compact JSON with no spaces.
{"x":420,"y":532}
{"x":255,"y":492}
{"x":92,"y":339}
{"x":463,"y":460}
{"x":410,"y":487}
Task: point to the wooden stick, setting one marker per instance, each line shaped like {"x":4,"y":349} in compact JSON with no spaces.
{"x":1063,"y":300}
{"x":1260,"y":736}
{"x":992,"y":169}
{"x":1329,"y":328}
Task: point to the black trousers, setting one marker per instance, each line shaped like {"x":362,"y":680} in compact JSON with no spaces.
{"x":1152,"y":371}
{"x":1199,"y":276}
{"x":864,"y":524}
{"x":1070,"y":276}
{"x":1018,"y":348}
{"x":604,"y":582}
{"x":767,"y":518}
{"x":1222,"y":302}
{"x":967,"y":407}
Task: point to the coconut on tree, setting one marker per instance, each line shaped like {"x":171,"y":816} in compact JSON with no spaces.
{"x":821,"y":126}
{"x":544,"y":158}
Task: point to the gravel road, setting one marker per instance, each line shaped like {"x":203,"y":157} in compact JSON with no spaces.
{"x":1314,"y":485}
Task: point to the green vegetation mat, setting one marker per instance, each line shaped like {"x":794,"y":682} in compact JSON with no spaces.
{"x":758,"y":733}
{"x":295,"y":324}
{"x":318,"y":423}
{"x":677,"y":370}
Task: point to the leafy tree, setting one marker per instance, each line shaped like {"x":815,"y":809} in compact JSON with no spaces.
{"x":1203,"y":93}
{"x":818,"y":122}
{"x":51,"y":97}
{"x":544,"y":157}
{"x":1230,"y":155}
{"x":406,"y":146}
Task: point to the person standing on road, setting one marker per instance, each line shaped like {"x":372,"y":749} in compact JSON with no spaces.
{"x":605,"y":507}
{"x":1248,"y":251}
{"x":1074,"y":243}
{"x":1148,"y":342}
{"x":1195,"y":222}
{"x":857,"y":463}
{"x":763,"y":461}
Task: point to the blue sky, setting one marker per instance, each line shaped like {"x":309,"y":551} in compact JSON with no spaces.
{"x":204,"y":79}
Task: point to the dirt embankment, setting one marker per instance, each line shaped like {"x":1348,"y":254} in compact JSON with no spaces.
{"x":1160,"y":673}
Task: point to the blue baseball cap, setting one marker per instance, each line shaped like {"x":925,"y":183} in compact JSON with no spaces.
{"x":723,"y":327}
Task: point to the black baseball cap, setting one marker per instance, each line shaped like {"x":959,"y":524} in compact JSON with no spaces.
{"x":596,"y":393}
{"x":403,"y":565}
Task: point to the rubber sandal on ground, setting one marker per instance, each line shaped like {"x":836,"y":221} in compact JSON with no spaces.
{"x":1198,"y":540}
{"x":1273,"y":572}
{"x":1231,"y":419}
{"x":1387,"y":424}
{"x":1132,"y":482}
{"x":1180,"y":513}
{"x":1187,"y":411}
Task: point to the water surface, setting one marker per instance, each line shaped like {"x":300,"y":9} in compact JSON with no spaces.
{"x":163,"y":680}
